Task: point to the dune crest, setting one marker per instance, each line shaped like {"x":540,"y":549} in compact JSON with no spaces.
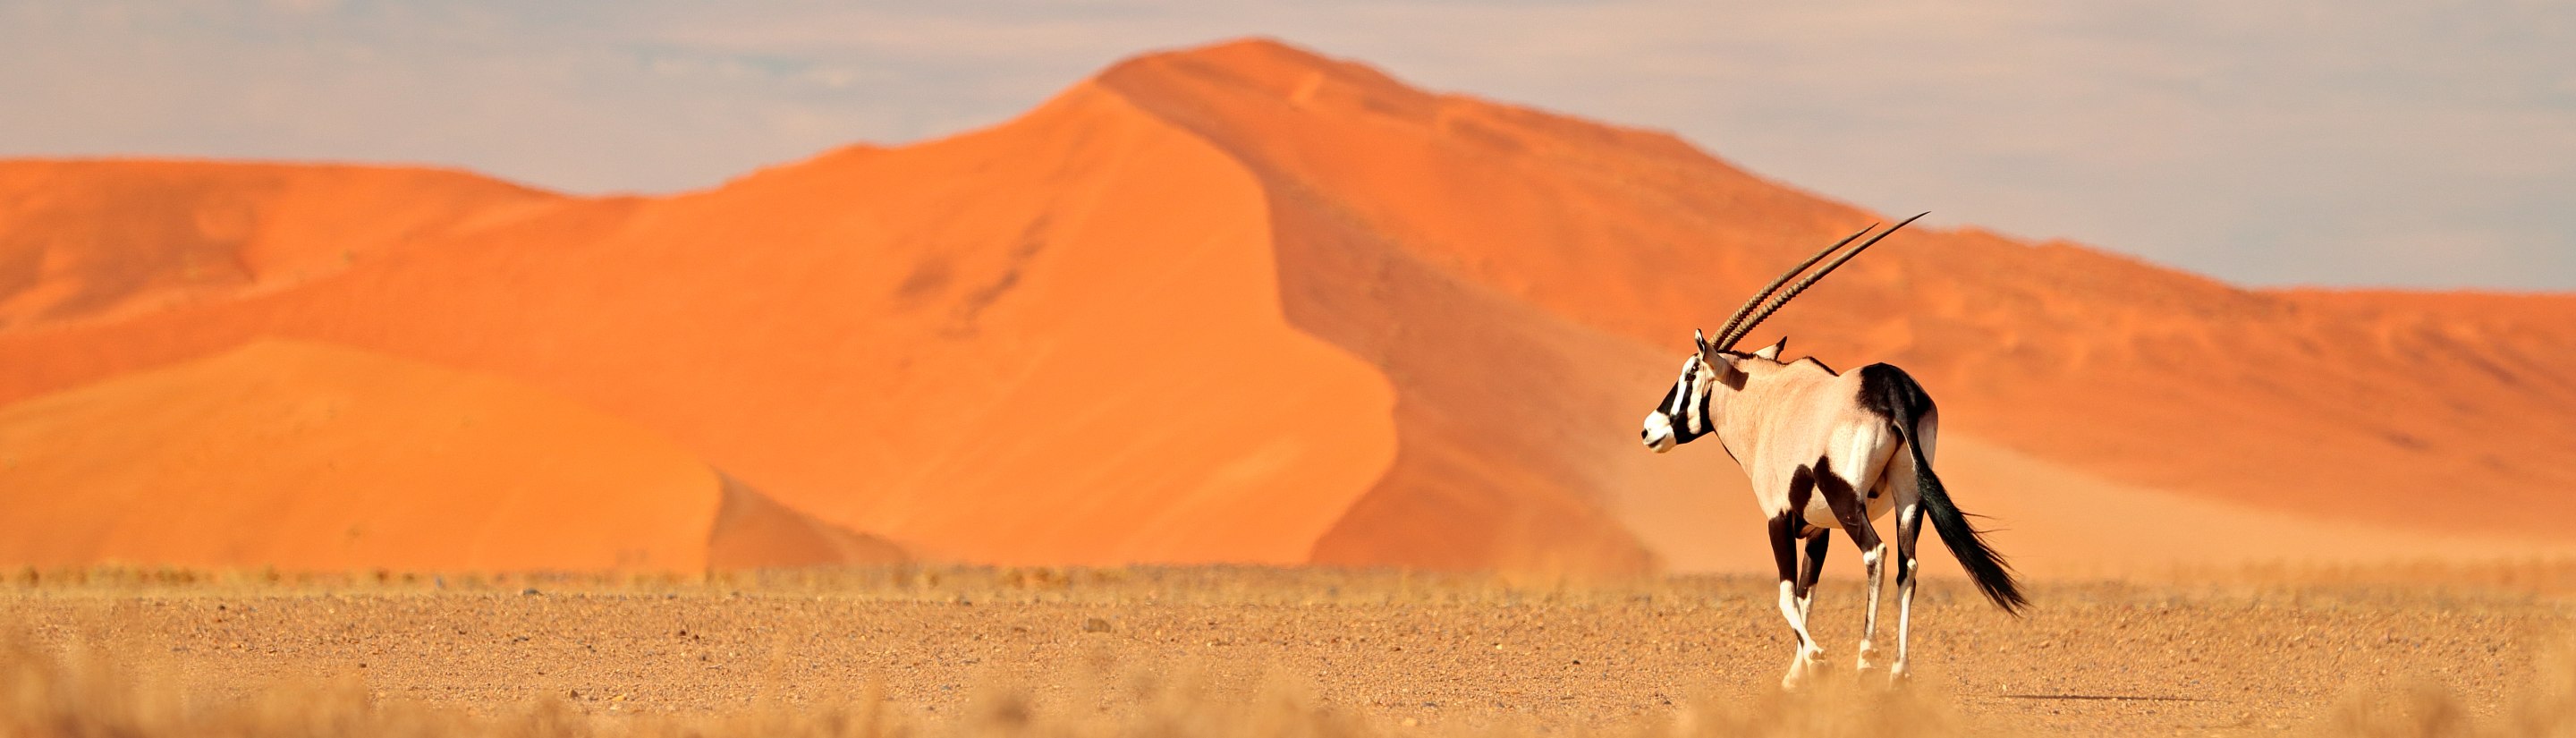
{"x":95,"y":239}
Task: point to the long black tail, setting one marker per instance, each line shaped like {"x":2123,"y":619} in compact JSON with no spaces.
{"x":1905,"y":401}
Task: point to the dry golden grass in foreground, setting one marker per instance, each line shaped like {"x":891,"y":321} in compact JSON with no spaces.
{"x":86,"y":694}
{"x":2544,"y":707}
{"x":938,"y":652}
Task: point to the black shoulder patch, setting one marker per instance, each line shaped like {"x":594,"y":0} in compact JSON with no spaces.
{"x":1883,"y":386}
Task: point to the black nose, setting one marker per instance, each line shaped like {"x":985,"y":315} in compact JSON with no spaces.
{"x":1644,"y":434}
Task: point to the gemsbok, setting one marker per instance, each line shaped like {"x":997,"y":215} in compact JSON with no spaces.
{"x":1826,"y":449}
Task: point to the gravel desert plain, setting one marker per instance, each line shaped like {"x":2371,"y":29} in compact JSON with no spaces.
{"x":1234,"y":390}
{"x":1213,"y":651}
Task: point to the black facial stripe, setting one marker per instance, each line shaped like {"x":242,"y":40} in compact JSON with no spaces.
{"x":1687,"y":414}
{"x":1688,"y":371}
{"x":1689,"y":425}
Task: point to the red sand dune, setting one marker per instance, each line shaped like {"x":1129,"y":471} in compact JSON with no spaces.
{"x":1243,"y":303}
{"x":306,"y":456}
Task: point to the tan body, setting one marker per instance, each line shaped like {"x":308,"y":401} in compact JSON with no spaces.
{"x":1808,"y":412}
{"x":1825,"y":450}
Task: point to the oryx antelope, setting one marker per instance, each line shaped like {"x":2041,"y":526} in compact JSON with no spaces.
{"x":1826,"y":450}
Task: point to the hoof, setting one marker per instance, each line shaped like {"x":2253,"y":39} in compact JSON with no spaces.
{"x":1799,"y":678}
{"x":1898,"y":674}
{"x":1807,"y":666}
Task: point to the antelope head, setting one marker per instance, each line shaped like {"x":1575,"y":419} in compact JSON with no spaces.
{"x":1714,"y":372}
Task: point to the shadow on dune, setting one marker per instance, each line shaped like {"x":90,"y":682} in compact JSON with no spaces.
{"x":754,"y":532}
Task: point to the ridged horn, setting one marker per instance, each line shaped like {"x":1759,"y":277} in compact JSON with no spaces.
{"x":1726,"y":341}
{"x":1738,"y":319}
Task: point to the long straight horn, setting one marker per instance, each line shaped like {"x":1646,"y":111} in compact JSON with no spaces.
{"x":1728,"y":340}
{"x":1723,"y":332}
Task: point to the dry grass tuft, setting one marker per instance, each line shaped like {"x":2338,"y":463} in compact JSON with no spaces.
{"x":91,"y":691}
{"x":88,"y":692}
{"x":2546,"y":708}
{"x":85,"y":693}
{"x":1842,"y":705}
{"x":2531,"y":576}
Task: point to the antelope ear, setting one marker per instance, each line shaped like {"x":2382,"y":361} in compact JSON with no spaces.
{"x":1701,"y":339}
{"x":1772,"y":351}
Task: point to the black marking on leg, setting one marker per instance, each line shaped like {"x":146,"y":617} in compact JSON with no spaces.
{"x":1784,"y":551}
{"x":1814,"y":568}
{"x":1908,"y":529}
{"x":1802,"y":485}
{"x":1846,"y":504}
{"x":1784,"y":545}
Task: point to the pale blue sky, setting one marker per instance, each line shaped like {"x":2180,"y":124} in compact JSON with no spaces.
{"x":2292,"y":142}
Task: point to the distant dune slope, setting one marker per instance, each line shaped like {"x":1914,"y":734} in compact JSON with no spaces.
{"x":85,"y":239}
{"x":1245,"y":303}
{"x":2427,"y":411}
{"x":754,"y":532}
{"x":305,"y":456}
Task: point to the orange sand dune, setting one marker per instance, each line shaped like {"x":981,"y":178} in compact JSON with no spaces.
{"x":1245,"y":303}
{"x":1055,"y":342}
{"x":306,"y":456}
{"x":84,"y":239}
{"x":2402,"y":410}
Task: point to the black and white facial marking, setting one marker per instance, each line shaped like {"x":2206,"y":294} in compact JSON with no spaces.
{"x":1683,"y":414}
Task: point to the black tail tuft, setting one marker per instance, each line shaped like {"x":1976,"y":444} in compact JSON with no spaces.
{"x":1993,"y":575}
{"x":1904,"y":400}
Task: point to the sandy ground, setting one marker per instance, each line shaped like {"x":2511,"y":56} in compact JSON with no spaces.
{"x":1397,"y":653}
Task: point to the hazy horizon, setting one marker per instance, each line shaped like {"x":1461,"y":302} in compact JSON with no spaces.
{"x":2303,"y":144}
